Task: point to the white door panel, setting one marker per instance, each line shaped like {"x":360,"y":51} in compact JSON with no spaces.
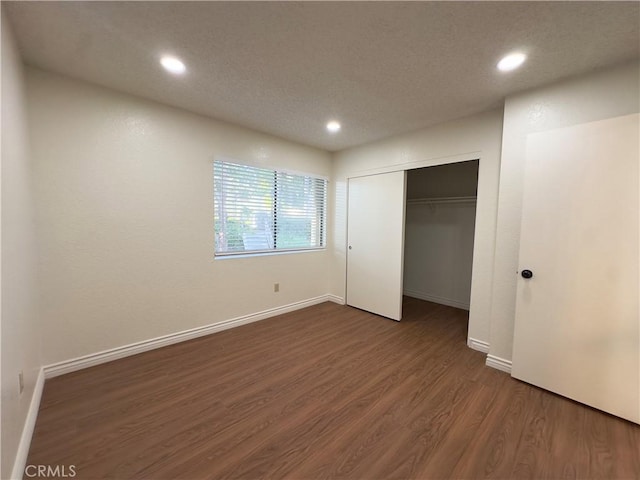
{"x":375,"y":234}
{"x":577,"y":319}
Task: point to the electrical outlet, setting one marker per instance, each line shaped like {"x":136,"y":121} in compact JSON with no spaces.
{"x":21,"y":381}
{"x":276,"y":287}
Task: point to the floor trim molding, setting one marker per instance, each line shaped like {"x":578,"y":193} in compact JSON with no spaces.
{"x":478,"y":345}
{"x":335,"y":299}
{"x":20,"y":461}
{"x":74,"y":364}
{"x":436,"y":299}
{"x":498,"y":363}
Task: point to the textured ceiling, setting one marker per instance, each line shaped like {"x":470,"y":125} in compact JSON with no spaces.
{"x":286,"y":68}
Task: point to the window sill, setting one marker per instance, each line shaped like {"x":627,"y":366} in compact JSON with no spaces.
{"x":267,"y":254}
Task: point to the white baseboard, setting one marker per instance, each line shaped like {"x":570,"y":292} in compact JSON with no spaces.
{"x":104,"y":356}
{"x":436,"y":299}
{"x":478,"y":345}
{"x":498,"y":363}
{"x":20,"y":461}
{"x":335,"y":299}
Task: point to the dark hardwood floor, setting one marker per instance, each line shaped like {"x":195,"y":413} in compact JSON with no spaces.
{"x":325,"y":392}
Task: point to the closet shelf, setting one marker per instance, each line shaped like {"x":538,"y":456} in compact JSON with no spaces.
{"x":440,"y":200}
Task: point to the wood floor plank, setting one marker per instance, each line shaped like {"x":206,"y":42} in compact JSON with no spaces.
{"x":324,"y":392}
{"x":492,"y":453}
{"x":451,"y":450}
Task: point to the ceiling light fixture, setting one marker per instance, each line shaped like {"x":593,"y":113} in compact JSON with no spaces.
{"x":333,"y":126}
{"x":511,"y":62}
{"x":173,"y":65}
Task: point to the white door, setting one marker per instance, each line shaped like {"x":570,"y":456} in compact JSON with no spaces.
{"x":375,"y":237}
{"x":577,"y":317}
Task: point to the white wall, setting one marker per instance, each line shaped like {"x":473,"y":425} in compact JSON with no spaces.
{"x":452,"y":180}
{"x":19,"y":328}
{"x":124,"y":190}
{"x":438,"y":252}
{"x":474,"y":137}
{"x":584,"y":99}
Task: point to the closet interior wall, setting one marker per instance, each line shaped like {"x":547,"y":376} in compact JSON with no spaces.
{"x":439,"y":232}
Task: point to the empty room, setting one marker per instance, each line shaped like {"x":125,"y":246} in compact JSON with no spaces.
{"x":358,"y":240}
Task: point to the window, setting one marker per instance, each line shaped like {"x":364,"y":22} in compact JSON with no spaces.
{"x":261,"y":210}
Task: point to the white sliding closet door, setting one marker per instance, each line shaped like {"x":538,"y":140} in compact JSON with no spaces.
{"x":577,"y":316}
{"x":375,"y":231}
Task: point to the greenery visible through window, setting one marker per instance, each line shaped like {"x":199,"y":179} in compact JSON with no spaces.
{"x":263,"y":210}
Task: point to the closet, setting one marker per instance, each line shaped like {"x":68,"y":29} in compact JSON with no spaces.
{"x":439,"y":233}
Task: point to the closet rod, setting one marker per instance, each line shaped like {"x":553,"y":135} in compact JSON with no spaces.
{"x":440,"y":200}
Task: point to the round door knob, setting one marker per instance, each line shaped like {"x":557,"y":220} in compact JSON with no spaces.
{"x":526,"y":274}
{"x":349,"y":247}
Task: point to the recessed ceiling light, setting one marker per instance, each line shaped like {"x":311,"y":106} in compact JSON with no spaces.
{"x":173,"y":65}
{"x":333,"y":126}
{"x":511,"y":61}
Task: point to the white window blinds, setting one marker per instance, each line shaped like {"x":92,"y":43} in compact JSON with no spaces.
{"x":262,"y":210}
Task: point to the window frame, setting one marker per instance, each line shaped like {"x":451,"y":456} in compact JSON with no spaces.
{"x":323,"y":209}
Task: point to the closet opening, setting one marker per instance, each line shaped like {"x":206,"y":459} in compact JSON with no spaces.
{"x":439,"y":233}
